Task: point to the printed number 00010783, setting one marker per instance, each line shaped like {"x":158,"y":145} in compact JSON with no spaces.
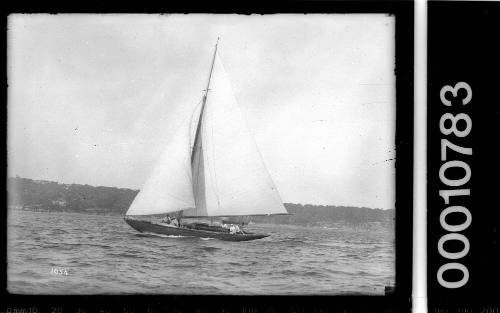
{"x":448,"y":130}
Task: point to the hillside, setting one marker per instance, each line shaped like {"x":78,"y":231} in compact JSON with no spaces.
{"x":52,"y":196}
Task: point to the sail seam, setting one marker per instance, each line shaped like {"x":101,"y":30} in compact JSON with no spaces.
{"x":189,"y":169}
{"x":200,"y":154}
{"x":214,"y":177}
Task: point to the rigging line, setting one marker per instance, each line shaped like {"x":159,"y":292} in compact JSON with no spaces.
{"x":189,"y":169}
{"x":197,"y":196}
{"x":205,"y":96}
{"x":215,"y":174}
{"x":212,"y":67}
{"x":198,"y":127}
{"x":273,"y":185}
{"x":200,"y":159}
{"x":213,"y":177}
{"x":210,"y":168}
{"x":191,"y":139}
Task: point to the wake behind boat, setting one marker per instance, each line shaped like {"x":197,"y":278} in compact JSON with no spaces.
{"x":211,"y":168}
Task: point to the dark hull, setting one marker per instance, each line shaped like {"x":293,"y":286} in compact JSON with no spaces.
{"x":145,"y":226}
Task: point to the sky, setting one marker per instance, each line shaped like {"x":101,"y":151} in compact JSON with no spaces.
{"x":94,"y":99}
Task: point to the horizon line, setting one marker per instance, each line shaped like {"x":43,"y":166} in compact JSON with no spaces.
{"x":129,"y":188}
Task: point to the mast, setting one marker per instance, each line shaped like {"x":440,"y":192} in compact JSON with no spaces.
{"x":203,"y":104}
{"x":211,"y":69}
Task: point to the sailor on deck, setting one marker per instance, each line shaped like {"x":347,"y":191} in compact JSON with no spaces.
{"x":234,"y":229}
{"x":175,"y":222}
{"x":166,"y":220}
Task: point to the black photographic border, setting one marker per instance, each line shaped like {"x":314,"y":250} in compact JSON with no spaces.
{"x":398,"y":300}
{"x":461,"y":48}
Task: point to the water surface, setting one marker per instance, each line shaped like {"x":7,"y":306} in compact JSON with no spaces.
{"x":103,"y":255}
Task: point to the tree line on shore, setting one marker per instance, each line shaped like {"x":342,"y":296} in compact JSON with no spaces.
{"x":55,"y":197}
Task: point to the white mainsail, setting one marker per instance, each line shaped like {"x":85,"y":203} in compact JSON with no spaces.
{"x":236,"y":180}
{"x":221,"y":173}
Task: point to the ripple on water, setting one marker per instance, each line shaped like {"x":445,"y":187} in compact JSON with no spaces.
{"x":104,"y":255}
{"x":209,"y":249}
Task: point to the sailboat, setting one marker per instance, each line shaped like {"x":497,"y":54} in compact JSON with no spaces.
{"x":211,"y":169}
